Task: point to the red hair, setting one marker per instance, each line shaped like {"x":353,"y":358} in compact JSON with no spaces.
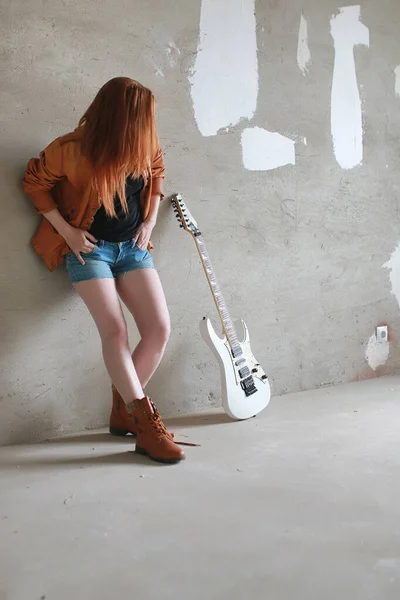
{"x":119,"y":137}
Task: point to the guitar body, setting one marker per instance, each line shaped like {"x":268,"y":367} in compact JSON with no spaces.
{"x":234,"y":400}
{"x":244,"y":385}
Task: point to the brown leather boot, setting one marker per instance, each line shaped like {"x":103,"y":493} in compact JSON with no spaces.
{"x":153,"y":439}
{"x":121,"y":422}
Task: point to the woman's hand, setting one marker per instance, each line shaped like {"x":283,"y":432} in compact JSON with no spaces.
{"x":143,"y":234}
{"x":80,"y":242}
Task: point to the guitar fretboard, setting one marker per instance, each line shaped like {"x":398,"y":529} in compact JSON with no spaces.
{"x":226,"y":320}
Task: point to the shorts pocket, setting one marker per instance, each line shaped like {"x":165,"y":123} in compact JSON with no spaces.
{"x":137,"y":249}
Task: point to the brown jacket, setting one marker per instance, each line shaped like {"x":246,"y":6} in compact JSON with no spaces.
{"x":61,"y":178}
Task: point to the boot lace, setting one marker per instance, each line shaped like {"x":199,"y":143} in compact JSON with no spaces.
{"x":159,"y":427}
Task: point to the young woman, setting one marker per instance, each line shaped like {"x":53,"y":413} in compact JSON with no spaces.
{"x":99,"y":190}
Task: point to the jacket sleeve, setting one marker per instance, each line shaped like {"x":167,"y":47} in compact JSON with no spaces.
{"x":158,"y":173}
{"x":41,"y":175}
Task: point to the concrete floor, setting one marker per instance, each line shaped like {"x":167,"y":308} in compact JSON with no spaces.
{"x":301,"y":503}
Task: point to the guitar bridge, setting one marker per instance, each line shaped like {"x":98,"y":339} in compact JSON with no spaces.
{"x":248,"y":386}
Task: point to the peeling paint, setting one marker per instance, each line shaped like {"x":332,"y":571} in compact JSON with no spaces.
{"x":173,"y":54}
{"x":397,"y":81}
{"x":376,"y":353}
{"x":263,"y":150}
{"x":346,"y":116}
{"x":225,"y":77}
{"x":393,"y":266}
{"x":303,"y":51}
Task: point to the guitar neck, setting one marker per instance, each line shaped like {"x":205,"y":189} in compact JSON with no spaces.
{"x":227,"y":324}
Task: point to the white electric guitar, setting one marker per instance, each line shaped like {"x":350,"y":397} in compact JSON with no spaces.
{"x":245,"y":387}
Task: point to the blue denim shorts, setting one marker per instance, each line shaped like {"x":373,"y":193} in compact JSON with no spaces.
{"x":108,"y":260}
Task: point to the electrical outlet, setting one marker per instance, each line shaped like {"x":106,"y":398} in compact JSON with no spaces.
{"x":381,"y":333}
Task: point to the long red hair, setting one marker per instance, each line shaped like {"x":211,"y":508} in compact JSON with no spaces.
{"x":119,"y":137}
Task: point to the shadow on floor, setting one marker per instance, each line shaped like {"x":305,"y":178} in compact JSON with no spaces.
{"x":122,"y":458}
{"x":128,"y":457}
{"x":199,"y":420}
{"x":89,"y":437}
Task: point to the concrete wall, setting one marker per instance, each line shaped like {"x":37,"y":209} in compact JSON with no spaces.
{"x":299,"y":249}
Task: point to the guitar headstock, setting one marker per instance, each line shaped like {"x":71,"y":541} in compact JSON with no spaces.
{"x":185,"y":218}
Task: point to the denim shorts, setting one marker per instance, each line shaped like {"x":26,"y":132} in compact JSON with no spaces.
{"x":108,"y":260}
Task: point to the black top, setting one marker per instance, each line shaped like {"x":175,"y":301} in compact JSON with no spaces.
{"x":122,"y":227}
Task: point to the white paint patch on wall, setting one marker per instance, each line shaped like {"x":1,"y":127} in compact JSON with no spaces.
{"x":263,"y":150}
{"x":397,"y":81}
{"x":346,"y":116}
{"x":303,"y":51}
{"x":225,"y":76}
{"x":376,"y":353}
{"x":393,"y":266}
{"x":173,"y":54}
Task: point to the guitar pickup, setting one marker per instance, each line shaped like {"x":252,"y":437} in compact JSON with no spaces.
{"x":237,"y":351}
{"x":245,"y":372}
{"x":240,"y":362}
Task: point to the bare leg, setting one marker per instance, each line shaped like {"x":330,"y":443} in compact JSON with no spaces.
{"x":143,"y":295}
{"x":101,"y":298}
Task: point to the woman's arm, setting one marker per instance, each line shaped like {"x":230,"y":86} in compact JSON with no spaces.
{"x":59,"y":223}
{"x":157,"y":172}
{"x":155,"y":200}
{"x":80,"y":241}
{"x":144,"y":232}
{"x":40,"y":177}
